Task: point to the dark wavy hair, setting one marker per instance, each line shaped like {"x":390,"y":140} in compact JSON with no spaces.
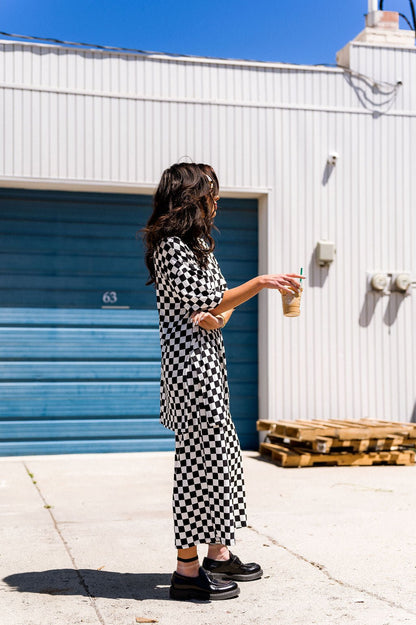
{"x":182,"y":207}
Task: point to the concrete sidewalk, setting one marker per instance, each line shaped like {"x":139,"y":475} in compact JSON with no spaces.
{"x":336,"y":544}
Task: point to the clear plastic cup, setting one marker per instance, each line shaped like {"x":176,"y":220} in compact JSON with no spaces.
{"x":291,"y":304}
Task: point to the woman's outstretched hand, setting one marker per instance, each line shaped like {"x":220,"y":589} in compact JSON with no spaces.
{"x":206,"y":321}
{"x":283,"y":282}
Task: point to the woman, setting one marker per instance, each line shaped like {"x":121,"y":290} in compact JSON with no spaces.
{"x":194,"y":305}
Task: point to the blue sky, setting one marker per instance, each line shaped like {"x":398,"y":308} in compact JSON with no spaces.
{"x":294,"y":31}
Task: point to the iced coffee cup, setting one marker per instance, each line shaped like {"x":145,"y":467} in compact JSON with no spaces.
{"x":291,"y":303}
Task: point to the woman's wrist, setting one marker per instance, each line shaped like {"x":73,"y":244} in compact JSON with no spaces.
{"x":221,"y":320}
{"x":261,"y":282}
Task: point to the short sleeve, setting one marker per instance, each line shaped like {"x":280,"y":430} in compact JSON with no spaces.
{"x":219,"y":275}
{"x":187,"y":280}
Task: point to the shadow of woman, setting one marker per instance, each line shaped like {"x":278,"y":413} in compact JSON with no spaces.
{"x":90,"y":582}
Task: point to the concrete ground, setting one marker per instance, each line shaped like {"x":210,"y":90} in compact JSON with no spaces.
{"x":87,"y":539}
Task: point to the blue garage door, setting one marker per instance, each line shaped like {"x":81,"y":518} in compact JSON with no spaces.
{"x":79,"y":343}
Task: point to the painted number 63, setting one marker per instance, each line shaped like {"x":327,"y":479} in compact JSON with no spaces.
{"x":110,"y":297}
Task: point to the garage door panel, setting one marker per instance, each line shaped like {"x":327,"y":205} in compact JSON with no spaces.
{"x":67,"y":206}
{"x":235,"y":208}
{"x":69,"y":265}
{"x":247,"y":405}
{"x":232,"y":249}
{"x":240,"y":321}
{"x":239,"y":270}
{"x":246,"y":427}
{"x":66,"y":399}
{"x":162,"y":442}
{"x":240,"y":351}
{"x":104,"y":282}
{"x":67,"y":317}
{"x":75,"y":245}
{"x":242,"y":372}
{"x":107,"y":343}
{"x":74,"y":299}
{"x":68,"y":230}
{"x":64,"y":370}
{"x":80,"y":429}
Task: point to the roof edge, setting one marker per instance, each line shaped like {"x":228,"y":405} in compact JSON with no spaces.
{"x":206,"y":60}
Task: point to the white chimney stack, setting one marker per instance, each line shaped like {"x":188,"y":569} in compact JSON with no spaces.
{"x":382,"y":30}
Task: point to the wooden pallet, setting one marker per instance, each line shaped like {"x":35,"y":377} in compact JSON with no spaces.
{"x":326,"y":445}
{"x":346,"y":431}
{"x":286,"y":457}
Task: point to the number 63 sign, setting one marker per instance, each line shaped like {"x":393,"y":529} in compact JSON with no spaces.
{"x":110,"y":297}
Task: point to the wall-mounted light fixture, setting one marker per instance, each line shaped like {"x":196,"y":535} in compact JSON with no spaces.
{"x":332,"y":158}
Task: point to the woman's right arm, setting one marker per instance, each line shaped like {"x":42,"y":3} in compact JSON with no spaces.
{"x":283,"y":282}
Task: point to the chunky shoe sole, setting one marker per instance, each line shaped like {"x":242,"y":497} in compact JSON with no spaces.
{"x":185,"y":594}
{"x":236,"y":577}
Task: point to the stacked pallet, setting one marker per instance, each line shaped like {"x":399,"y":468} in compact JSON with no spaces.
{"x":334,"y":442}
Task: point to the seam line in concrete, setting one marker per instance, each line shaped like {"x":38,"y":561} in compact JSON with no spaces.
{"x":67,"y":548}
{"x":325,"y":571}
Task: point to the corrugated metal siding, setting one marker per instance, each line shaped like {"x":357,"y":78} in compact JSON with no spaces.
{"x":351,"y":354}
{"x":92,"y":116}
{"x":77,"y":116}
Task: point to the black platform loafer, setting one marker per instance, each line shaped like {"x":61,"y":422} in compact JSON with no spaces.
{"x":204,"y":587}
{"x":232,"y":568}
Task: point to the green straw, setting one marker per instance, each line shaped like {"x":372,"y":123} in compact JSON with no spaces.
{"x":301,"y":273}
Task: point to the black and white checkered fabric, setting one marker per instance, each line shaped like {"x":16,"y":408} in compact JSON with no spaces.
{"x":208,"y":491}
{"x":208,"y":497}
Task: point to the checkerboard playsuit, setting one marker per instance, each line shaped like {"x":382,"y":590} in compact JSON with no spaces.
{"x":208,"y":491}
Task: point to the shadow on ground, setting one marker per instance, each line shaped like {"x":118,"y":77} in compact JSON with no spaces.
{"x":90,"y":582}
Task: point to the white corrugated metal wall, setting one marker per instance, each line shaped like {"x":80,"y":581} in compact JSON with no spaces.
{"x":91,"y":119}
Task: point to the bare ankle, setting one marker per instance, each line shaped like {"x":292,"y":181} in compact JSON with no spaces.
{"x":189,"y":569}
{"x":188,"y":563}
{"x":218,"y":552}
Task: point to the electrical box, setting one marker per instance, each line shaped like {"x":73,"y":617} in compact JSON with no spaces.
{"x":325,"y":252}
